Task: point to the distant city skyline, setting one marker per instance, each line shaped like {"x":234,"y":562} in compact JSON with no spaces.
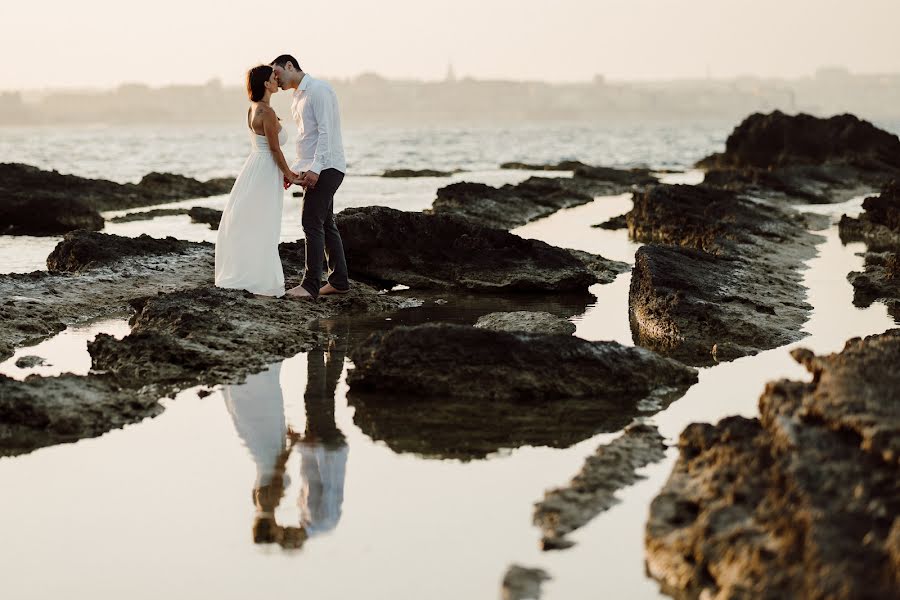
{"x":105,"y":43}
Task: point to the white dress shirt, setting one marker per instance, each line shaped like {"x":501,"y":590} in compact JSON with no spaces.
{"x":319,"y":142}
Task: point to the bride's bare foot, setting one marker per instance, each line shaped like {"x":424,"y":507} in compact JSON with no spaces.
{"x":330,"y":289}
{"x":298,"y":292}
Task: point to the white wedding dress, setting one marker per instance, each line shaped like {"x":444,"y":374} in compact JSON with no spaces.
{"x":247,"y":243}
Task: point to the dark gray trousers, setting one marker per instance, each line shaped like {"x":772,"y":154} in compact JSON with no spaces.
{"x":323,"y":241}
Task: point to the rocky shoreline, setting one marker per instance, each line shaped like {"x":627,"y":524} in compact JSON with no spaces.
{"x":802,"y":502}
{"x":38,"y":202}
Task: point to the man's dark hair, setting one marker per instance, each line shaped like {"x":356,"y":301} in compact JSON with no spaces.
{"x":284,"y":59}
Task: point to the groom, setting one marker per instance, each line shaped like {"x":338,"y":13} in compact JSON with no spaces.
{"x":320,"y":153}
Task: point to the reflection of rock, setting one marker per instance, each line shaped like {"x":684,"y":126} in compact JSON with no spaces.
{"x":81,"y":250}
{"x":465,"y":362}
{"x":879,"y":282}
{"x":209,"y":216}
{"x":406,"y":173}
{"x":452,"y":427}
{"x":522,"y":583}
{"x":388,"y":247}
{"x":525,"y":321}
{"x":805,"y":157}
{"x":802,"y":503}
{"x":879,"y":224}
{"x":615,"y":223}
{"x":592,"y":491}
{"x":727,"y":279}
{"x":29,"y":362}
{"x":514,"y":205}
{"x":43,"y":411}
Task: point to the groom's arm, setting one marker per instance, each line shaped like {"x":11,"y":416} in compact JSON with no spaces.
{"x":324,"y":106}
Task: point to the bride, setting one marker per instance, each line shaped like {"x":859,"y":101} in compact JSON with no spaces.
{"x":247,"y":243}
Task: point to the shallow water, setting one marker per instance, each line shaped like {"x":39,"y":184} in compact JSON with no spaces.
{"x":166,"y":507}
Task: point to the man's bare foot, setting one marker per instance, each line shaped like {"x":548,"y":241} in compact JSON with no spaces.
{"x":298,"y":292}
{"x":330,"y":289}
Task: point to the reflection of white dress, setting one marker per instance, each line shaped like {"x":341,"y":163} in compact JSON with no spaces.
{"x":257,"y":408}
{"x":247,"y":242}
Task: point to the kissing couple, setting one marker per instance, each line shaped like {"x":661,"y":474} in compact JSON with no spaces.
{"x":247,"y":242}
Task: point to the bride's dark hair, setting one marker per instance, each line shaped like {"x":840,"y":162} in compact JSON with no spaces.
{"x":256,"y":82}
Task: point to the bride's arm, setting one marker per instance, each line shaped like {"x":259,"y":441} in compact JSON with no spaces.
{"x":271,"y":127}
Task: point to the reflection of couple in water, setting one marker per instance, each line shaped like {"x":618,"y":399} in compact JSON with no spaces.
{"x":257,"y":407}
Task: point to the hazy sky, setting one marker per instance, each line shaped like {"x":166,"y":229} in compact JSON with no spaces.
{"x":81,"y":43}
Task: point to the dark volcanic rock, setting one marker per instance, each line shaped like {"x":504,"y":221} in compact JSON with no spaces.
{"x":726,"y":283}
{"x":45,"y":216}
{"x":879,"y":225}
{"x":802,"y":503}
{"x":146,"y":215}
{"x":24,"y":182}
{"x":210,"y":216}
{"x":593,"y":490}
{"x":805,"y":157}
{"x":82,"y":250}
{"x":509,"y":206}
{"x":537,"y":197}
{"x":422,"y":251}
{"x":527,"y":322}
{"x":29,"y":362}
{"x":566,"y":165}
{"x":522,"y":583}
{"x":465,"y":362}
{"x":778,"y":140}
{"x":406,"y":173}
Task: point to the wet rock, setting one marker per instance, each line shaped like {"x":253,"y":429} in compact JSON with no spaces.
{"x":526,"y":321}
{"x":523,"y":583}
{"x":566,"y":165}
{"x":389,"y":247}
{"x":618,"y":222}
{"x":879,"y":225}
{"x":728,"y":276}
{"x":805,"y":157}
{"x":82,"y":250}
{"x":509,"y":206}
{"x":407,"y":173}
{"x":29,"y":362}
{"x":800,"y":503}
{"x":45,"y":216}
{"x":537,"y":197}
{"x":146,"y":215}
{"x":612,"y":467}
{"x":209,"y":216}
{"x":24,"y":182}
{"x":452,"y":360}
{"x":95,"y":282}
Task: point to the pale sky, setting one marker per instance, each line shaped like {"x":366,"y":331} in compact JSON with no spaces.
{"x":102,"y":43}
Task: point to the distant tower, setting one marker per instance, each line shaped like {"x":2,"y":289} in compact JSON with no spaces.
{"x":451,"y":73}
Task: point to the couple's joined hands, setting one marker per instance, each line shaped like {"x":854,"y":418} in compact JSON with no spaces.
{"x":307,"y":180}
